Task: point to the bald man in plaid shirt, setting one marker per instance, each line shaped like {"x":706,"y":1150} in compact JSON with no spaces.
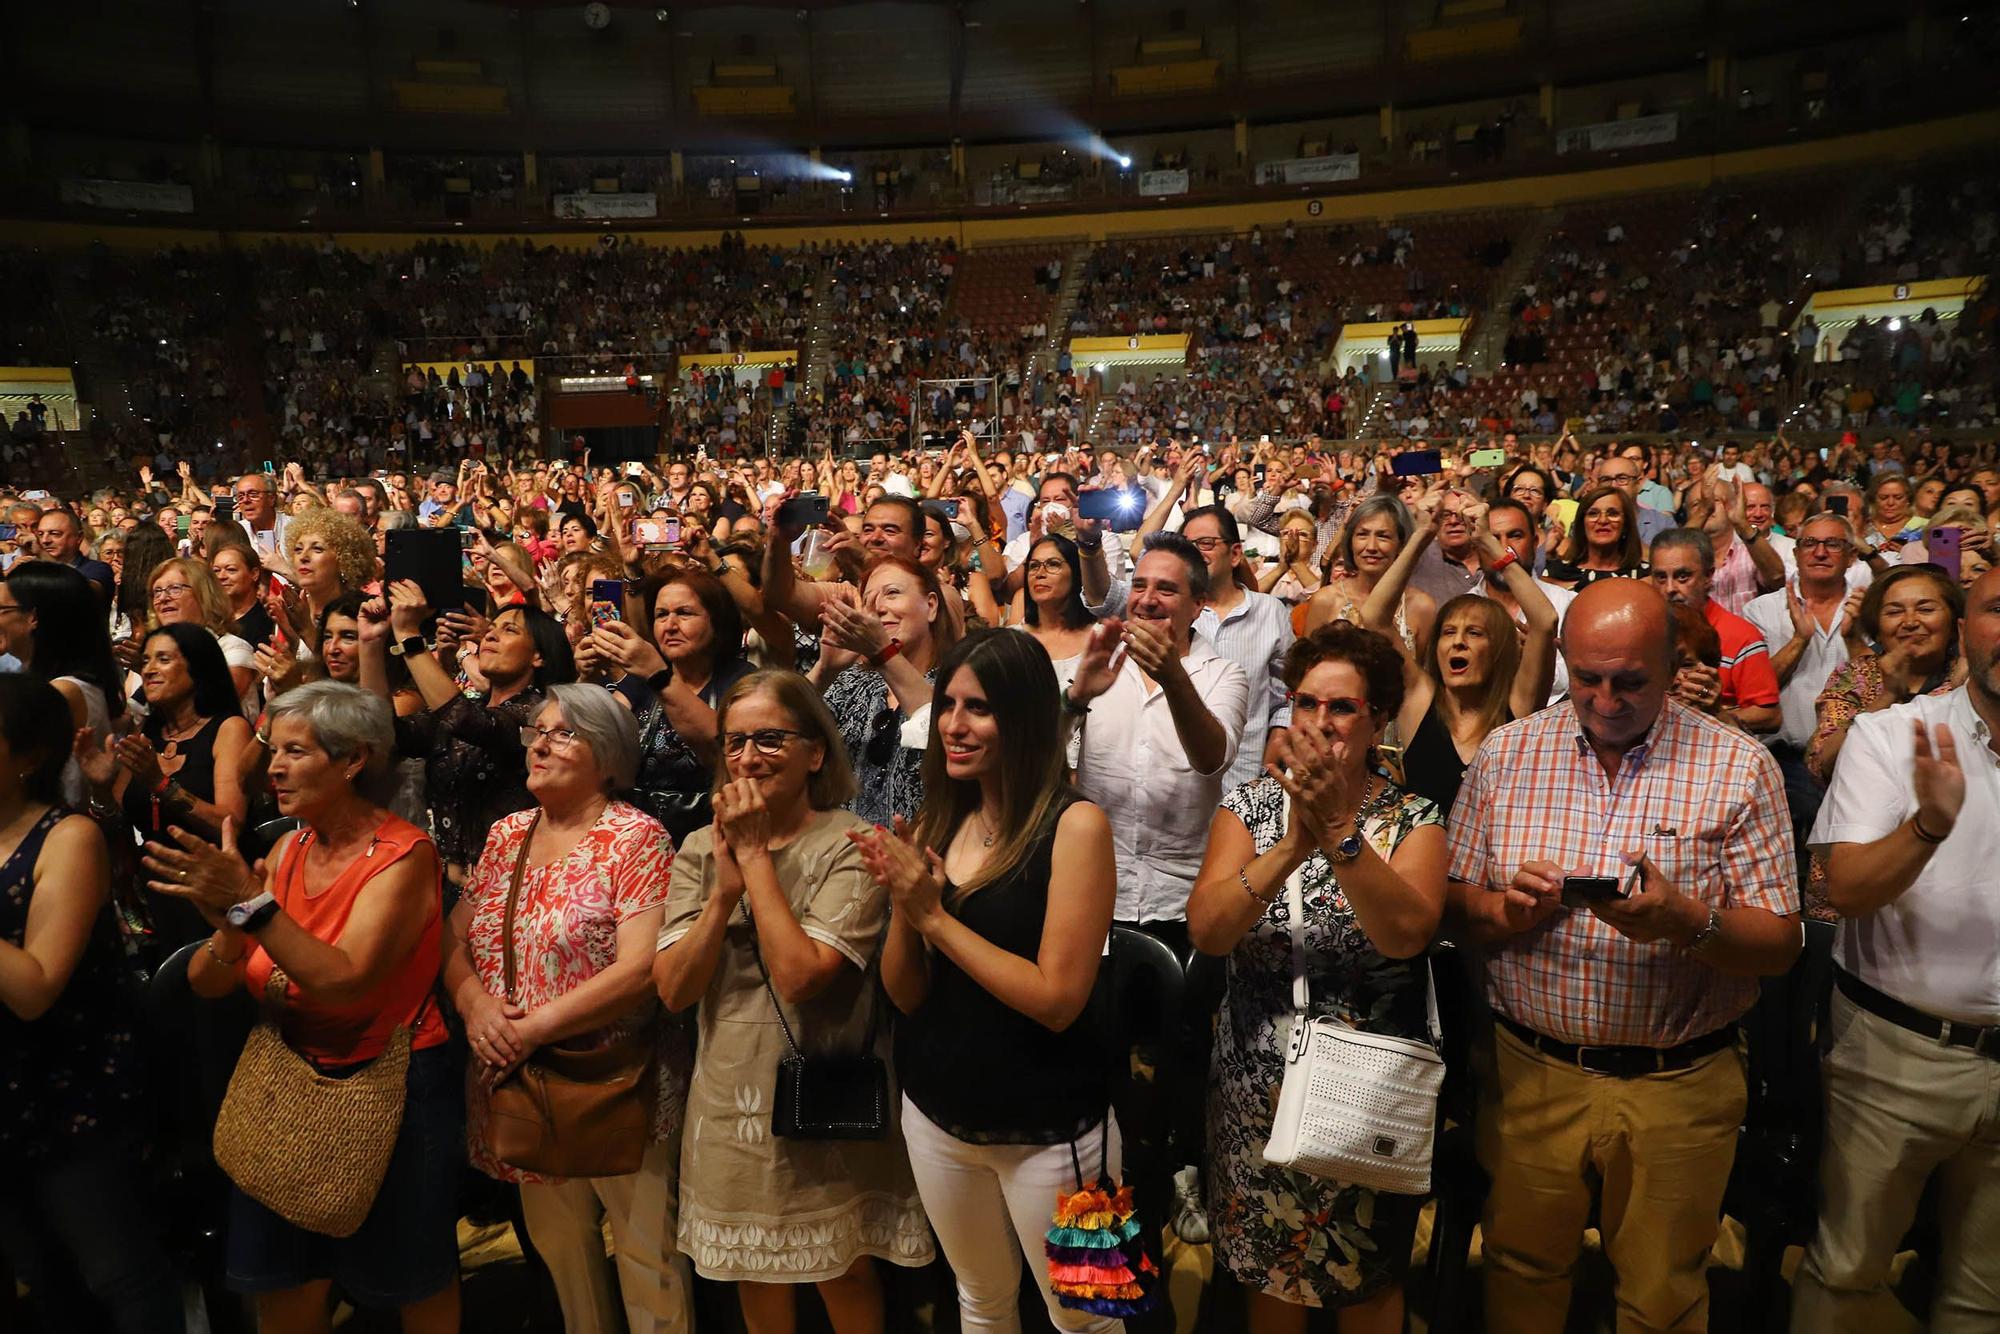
{"x":1615,"y":1056}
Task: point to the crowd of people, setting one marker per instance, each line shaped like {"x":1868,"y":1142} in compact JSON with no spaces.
{"x":736,"y":854}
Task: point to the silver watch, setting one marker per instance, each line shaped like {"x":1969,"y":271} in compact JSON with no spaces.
{"x":1704,"y":937}
{"x":252,"y":913}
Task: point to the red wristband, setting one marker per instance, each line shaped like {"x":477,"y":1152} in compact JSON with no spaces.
{"x":1507,"y":558}
{"x":889,"y":650}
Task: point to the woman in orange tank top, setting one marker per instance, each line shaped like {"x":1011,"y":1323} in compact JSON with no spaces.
{"x":350,"y":909}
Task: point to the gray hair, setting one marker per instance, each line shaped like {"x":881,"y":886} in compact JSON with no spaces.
{"x":344,"y":719}
{"x":1691,"y":539}
{"x":611,"y":732}
{"x":389,"y":519}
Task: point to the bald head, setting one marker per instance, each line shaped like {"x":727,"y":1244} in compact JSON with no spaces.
{"x":1618,"y":641}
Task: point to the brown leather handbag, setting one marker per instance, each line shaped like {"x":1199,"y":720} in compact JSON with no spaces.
{"x":571,"y":1112}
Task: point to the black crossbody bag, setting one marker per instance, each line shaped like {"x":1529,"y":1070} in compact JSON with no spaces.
{"x":827,"y":1097}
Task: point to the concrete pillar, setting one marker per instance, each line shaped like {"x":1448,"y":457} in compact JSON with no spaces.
{"x":1242,"y":141}
{"x":1388,"y":119}
{"x":1549,"y":104}
{"x":530,"y":171}
{"x":677,"y":167}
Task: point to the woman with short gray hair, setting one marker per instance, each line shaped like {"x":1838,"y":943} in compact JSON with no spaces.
{"x":347,"y":922}
{"x":572,"y":890}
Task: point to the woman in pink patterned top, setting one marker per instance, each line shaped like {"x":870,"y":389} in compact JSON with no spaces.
{"x":592,"y":895}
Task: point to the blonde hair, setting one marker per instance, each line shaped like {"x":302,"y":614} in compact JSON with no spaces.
{"x":215,"y":614}
{"x":353,"y":549}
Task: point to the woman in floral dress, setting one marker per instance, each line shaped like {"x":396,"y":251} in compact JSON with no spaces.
{"x":1372,"y":864}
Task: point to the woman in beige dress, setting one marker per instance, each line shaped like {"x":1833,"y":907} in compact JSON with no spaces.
{"x":776,"y":879}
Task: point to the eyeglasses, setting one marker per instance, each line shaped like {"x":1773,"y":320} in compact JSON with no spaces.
{"x":1053,"y":565}
{"x":250,"y":493}
{"x":559,"y":738}
{"x":1207,"y":544}
{"x":769,"y":741}
{"x":170,"y":592}
{"x":1824,"y":544}
{"x":1337,"y":706}
{"x":1617,"y":478}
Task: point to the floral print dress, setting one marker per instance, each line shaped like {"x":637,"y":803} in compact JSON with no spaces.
{"x":1296,"y":1237}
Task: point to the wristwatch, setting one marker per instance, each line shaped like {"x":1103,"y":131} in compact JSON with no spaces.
{"x":1346,"y":850}
{"x":415,"y":644}
{"x":254,"y":914}
{"x":1707,"y":934}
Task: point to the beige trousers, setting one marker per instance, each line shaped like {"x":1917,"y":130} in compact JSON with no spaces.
{"x":1900,"y":1107}
{"x":1658,"y":1148}
{"x":650,"y":1280}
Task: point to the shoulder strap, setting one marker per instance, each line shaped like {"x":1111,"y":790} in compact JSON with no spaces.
{"x":757,"y":955}
{"x":513,"y":902}
{"x":1302,"y":990}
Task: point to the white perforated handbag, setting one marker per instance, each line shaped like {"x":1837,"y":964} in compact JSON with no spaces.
{"x":1355,"y":1107}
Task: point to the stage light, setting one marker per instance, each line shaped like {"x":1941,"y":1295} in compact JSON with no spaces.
{"x":1124,"y":162}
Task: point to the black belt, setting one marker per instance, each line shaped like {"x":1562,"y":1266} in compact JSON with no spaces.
{"x":1944,"y":1032}
{"x":1623,"y":1062}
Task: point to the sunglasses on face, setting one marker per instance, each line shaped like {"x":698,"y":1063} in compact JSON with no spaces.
{"x":1333,"y":706}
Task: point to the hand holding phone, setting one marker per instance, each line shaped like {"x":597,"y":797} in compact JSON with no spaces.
{"x":1581,"y":891}
{"x":607,"y":601}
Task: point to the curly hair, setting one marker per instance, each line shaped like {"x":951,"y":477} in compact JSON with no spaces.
{"x":1378,"y":661}
{"x":349,"y":542}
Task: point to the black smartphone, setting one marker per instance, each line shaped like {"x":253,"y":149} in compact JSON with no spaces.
{"x":1417,"y":463}
{"x":1580,"y":891}
{"x":807,"y":509}
{"x":1123,"y":507}
{"x":1838,"y":504}
{"x":468,"y":538}
{"x":432,"y":559}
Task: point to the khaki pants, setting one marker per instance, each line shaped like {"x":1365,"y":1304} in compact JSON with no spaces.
{"x":1898,"y":1108}
{"x":1658,"y":1148}
{"x":566,"y":1223}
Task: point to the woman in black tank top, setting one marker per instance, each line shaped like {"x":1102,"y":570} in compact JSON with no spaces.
{"x":180,"y":769}
{"x":1478,"y":671}
{"x":1003,"y":897}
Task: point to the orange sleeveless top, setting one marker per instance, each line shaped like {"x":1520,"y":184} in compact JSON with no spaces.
{"x":360,"y":1029}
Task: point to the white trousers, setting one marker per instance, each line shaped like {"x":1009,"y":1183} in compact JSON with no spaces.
{"x":650,"y":1280}
{"x":991,"y":1204}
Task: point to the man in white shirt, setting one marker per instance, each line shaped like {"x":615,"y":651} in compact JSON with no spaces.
{"x":1911,"y":829}
{"x":1806,"y":624}
{"x":1162,"y":721}
{"x":1251,"y":629}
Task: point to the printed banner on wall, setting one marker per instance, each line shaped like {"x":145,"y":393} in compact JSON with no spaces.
{"x":589,"y":204}
{"x":1634,"y":133}
{"x":139,"y":196}
{"x":1310,"y":170}
{"x":1163,"y":182}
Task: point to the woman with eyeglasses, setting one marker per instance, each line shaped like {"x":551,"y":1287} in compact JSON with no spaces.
{"x":1003,"y":897}
{"x":875,"y":667}
{"x":1370,"y":862}
{"x":184,"y":592}
{"x":588,"y":875}
{"x":1603,"y":542}
{"x":772,"y":925}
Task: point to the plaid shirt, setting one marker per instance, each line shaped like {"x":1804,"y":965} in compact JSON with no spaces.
{"x":1704,"y":801}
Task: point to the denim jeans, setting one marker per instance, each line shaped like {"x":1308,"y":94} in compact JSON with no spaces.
{"x":90,"y":1211}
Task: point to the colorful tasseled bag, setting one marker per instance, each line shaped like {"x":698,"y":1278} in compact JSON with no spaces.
{"x":1097,"y":1248}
